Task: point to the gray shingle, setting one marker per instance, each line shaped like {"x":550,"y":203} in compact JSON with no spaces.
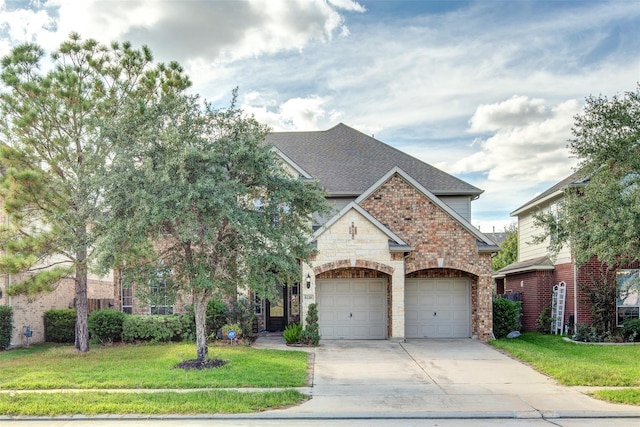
{"x":346,"y":161}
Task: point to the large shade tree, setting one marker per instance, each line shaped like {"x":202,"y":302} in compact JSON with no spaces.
{"x":52,"y":150}
{"x":199,"y":200}
{"x":601,"y":218}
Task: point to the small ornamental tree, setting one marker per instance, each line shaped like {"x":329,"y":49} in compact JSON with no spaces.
{"x":311,"y":333}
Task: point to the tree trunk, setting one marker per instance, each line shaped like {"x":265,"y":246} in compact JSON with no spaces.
{"x":82,"y":302}
{"x":200,"y":310}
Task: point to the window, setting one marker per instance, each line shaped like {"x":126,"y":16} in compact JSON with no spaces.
{"x":628,"y":295}
{"x":127,"y":300}
{"x":160,"y":300}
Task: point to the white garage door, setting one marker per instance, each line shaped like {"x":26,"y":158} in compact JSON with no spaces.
{"x":437,"y":308}
{"x":352,"y":308}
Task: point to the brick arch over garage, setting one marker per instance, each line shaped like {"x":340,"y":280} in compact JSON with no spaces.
{"x":358,"y":264}
{"x":473,"y":269}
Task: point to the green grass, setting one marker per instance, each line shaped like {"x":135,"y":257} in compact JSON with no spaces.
{"x":146,"y":366}
{"x":149,"y":366}
{"x":574,"y":364}
{"x":161,"y":403}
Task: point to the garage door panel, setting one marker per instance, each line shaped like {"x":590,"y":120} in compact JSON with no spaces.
{"x":352,"y":309}
{"x":449,"y":299}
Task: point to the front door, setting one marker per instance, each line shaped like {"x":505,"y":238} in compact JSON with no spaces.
{"x":277,"y":312}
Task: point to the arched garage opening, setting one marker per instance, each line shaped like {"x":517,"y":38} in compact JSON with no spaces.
{"x":438,"y":304}
{"x":353,"y":303}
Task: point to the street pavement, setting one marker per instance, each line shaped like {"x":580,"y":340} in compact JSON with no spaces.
{"x":415,"y":383}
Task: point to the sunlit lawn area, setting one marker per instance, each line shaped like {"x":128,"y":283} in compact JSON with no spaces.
{"x":147,"y":367}
{"x":575,"y":364}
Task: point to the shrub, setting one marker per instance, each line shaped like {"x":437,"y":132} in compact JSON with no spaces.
{"x":586,"y":333}
{"x":543,"y":324}
{"x":292,"y":333}
{"x":231,"y":327}
{"x":60,"y":325}
{"x":6,"y":326}
{"x":216,"y":315}
{"x":506,"y":315}
{"x":106,"y":325}
{"x":631,"y":330}
{"x":157,"y":328}
{"x":311,"y":333}
{"x":242,"y":312}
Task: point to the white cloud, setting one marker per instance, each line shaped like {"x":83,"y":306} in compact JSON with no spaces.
{"x":516,"y":111}
{"x":295,"y":113}
{"x":528,"y":144}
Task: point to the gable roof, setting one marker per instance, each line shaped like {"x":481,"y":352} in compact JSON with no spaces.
{"x":575,"y":179}
{"x":395,"y":243}
{"x":535,"y":264}
{"x":347,"y":162}
{"x":485,"y":243}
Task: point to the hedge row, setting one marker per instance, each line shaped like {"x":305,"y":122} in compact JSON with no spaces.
{"x":6,"y":325}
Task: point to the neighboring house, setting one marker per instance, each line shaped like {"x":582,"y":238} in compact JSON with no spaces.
{"x":399,"y":259}
{"x":535,"y":273}
{"x":28,"y":310}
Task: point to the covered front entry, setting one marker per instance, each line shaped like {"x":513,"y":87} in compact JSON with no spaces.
{"x":276,"y":318}
{"x":352,"y":308}
{"x":437,"y":308}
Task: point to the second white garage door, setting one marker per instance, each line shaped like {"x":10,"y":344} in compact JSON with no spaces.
{"x":437,"y":308}
{"x":352,"y":308}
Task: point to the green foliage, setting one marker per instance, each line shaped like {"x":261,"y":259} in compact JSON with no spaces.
{"x":203,"y":181}
{"x":6,"y":326}
{"x":602,"y":294}
{"x":53,"y":151}
{"x":106,"y":325}
{"x":216,"y":315}
{"x":292,"y":333}
{"x":242,"y":312}
{"x":600,"y":219}
{"x":231,"y":327}
{"x":60,"y":325}
{"x":508,"y":249}
{"x":506,"y":315}
{"x":157,"y":328}
{"x":311,"y":333}
{"x":543,"y":323}
{"x":631,"y":330}
{"x":586,"y":333}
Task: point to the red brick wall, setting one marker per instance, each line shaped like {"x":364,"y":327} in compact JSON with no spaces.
{"x":536,"y":289}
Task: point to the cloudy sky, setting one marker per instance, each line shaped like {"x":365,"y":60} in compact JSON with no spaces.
{"x":485,"y":90}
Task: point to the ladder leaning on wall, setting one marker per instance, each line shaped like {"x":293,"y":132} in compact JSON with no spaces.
{"x":557,"y":308}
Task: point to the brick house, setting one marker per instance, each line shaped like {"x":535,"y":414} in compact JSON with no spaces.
{"x":535,"y":273}
{"x":399,"y":259}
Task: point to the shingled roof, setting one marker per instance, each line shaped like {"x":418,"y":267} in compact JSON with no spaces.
{"x":575,"y":179}
{"x":347,"y":162}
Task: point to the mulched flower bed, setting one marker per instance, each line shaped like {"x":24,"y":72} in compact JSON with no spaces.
{"x":201,"y":364}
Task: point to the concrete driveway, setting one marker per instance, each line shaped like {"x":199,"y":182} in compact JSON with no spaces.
{"x":437,"y":379}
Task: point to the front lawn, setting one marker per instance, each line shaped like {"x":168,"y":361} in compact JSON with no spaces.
{"x":575,"y":364}
{"x":147,"y":366}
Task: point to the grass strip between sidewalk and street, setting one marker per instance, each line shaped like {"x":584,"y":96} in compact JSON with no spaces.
{"x":155,"y":403}
{"x":577,"y":364}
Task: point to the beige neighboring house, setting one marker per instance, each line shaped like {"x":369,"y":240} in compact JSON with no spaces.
{"x":535,"y":273}
{"x":28,"y":310}
{"x":399,"y":259}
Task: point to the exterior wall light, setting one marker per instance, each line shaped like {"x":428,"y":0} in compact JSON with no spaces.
{"x":308,"y":281}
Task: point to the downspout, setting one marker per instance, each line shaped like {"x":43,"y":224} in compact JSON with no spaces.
{"x":575,"y":295}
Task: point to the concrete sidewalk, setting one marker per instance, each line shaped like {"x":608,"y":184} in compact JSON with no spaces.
{"x":434,"y":379}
